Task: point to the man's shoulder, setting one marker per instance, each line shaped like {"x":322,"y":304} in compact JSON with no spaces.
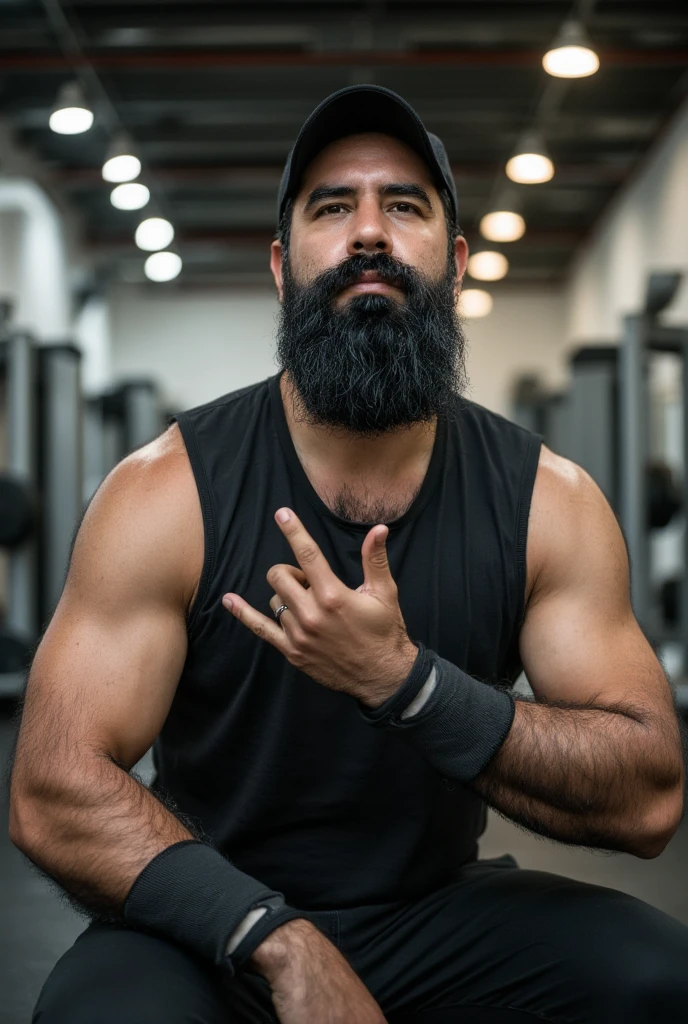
{"x":569,"y":518}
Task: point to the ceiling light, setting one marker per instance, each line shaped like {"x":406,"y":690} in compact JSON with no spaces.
{"x":154,"y":233}
{"x":162,"y":266}
{"x":71,"y":115}
{"x":488,"y":265}
{"x":120,"y":162}
{"x":530,"y":165}
{"x":474,"y":303}
{"x":571,"y":55}
{"x":502,"y":226}
{"x":131,"y":196}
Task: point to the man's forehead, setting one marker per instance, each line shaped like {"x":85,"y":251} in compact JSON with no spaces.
{"x":369,"y":155}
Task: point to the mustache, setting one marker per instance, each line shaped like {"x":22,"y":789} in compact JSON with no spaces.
{"x":389,"y":269}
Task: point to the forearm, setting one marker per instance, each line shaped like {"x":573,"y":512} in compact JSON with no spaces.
{"x":603,"y":775}
{"x":94,"y":831}
{"x":584,"y":774}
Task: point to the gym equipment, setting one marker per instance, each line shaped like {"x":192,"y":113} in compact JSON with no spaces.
{"x":18,"y":514}
{"x":40,"y":490}
{"x":61,"y":465}
{"x":664,"y":495}
{"x":644,"y":336}
{"x":117,"y":423}
{"x":604,"y":424}
{"x":542,"y":411}
{"x":17,"y":511}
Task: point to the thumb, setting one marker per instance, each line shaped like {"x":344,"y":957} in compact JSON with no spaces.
{"x":376,"y":570}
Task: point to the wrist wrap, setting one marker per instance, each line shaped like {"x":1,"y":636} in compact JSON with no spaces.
{"x":277,"y":913}
{"x":399,"y":701}
{"x":189,"y":893}
{"x":460,"y":728}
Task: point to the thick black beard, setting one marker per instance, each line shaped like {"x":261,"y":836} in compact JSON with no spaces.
{"x":378,"y":364}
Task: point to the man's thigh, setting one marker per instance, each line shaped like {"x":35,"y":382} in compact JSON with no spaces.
{"x":113,"y":975}
{"x":506,"y":944}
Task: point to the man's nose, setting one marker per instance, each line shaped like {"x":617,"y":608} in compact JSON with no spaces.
{"x":369,"y":230}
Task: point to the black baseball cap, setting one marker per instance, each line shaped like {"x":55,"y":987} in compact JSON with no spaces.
{"x":357,"y":109}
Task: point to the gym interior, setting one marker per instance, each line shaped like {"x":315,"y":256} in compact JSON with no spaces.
{"x":141,"y":150}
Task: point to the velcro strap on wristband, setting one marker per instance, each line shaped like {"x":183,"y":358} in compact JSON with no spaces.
{"x":277,"y":913}
{"x":190,"y":893}
{"x":460,"y":728}
{"x":420,"y":670}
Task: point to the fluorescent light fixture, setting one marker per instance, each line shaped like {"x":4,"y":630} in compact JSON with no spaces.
{"x":571,"y":55}
{"x":488,"y":265}
{"x":154,"y":233}
{"x":530,"y":164}
{"x":120,"y":162}
{"x":162,"y":266}
{"x":475,"y":303}
{"x":71,"y":115}
{"x":502,"y":226}
{"x":131,"y":196}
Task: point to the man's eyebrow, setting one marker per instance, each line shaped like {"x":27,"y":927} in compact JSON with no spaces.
{"x":328,"y":192}
{"x":407,"y":188}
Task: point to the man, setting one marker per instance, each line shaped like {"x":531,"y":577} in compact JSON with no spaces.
{"x":416,"y":552}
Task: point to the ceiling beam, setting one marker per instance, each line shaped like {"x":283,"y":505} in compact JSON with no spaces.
{"x":205,"y":60}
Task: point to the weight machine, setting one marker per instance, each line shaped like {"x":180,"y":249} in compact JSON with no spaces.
{"x":604,"y":423}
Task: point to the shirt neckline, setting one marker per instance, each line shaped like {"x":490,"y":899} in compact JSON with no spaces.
{"x":304,"y":485}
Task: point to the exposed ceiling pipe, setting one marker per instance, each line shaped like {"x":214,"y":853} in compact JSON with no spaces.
{"x":229,"y":59}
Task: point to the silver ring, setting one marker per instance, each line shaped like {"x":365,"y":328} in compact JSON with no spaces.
{"x":282,"y":608}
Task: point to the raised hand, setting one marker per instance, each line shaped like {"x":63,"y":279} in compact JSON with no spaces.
{"x":349,"y":640}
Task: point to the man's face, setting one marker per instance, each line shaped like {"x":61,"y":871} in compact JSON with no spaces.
{"x":368,"y":193}
{"x":368,"y":331}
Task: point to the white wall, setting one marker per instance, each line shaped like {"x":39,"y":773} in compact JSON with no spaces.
{"x":202,"y":344}
{"x":645,"y":229}
{"x":198,"y":345}
{"x":35,"y":271}
{"x":524,"y":333}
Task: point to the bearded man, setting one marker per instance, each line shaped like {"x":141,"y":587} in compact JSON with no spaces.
{"x":308,"y":849}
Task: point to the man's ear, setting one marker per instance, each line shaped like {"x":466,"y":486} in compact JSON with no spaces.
{"x":461,"y":257}
{"x":276,"y":266}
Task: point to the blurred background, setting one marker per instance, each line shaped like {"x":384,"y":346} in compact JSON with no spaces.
{"x":141,"y":146}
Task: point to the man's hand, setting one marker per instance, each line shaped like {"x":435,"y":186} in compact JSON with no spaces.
{"x":310,"y":979}
{"x":349,"y":640}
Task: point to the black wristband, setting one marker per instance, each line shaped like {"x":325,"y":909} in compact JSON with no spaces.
{"x":191,"y":894}
{"x":461,"y":726}
{"x":401,"y":698}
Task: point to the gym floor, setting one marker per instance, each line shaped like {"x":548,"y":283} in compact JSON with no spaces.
{"x":37,"y":927}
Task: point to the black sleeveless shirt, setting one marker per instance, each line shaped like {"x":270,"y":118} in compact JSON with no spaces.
{"x":282,"y":774}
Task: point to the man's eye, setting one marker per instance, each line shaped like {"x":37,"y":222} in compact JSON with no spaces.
{"x":404,"y":207}
{"x":332,"y":208}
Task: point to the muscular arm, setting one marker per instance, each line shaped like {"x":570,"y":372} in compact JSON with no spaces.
{"x":103,"y":680}
{"x":596,"y":758}
{"x":99,"y":691}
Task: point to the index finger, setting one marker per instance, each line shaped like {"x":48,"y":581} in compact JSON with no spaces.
{"x":307,"y":553}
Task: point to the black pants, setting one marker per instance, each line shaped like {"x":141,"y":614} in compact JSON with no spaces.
{"x":500,"y":945}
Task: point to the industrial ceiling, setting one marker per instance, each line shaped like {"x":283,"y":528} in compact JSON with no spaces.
{"x":213,"y":94}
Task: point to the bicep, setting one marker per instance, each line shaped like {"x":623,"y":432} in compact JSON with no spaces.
{"x":580,"y":640}
{"x":105,"y":683}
